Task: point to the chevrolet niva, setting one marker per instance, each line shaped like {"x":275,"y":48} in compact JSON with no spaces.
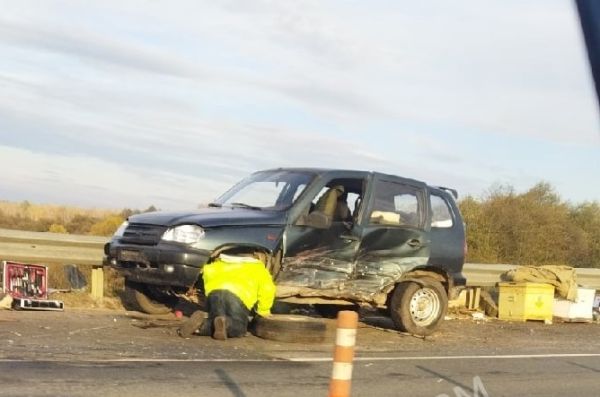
{"x":328,"y":237}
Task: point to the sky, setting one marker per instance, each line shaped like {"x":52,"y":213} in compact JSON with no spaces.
{"x":116,"y":104}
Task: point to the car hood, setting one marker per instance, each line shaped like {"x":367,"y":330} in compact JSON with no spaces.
{"x":212,"y":217}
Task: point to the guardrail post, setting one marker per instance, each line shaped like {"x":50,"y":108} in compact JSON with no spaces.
{"x":97,"y":283}
{"x":345,"y":339}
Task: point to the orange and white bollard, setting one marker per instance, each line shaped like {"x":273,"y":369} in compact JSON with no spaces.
{"x":345,"y":339}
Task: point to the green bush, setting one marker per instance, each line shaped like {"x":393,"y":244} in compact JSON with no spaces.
{"x":531,"y":228}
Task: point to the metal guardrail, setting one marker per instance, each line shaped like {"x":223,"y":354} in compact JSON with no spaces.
{"x":44,"y":247}
{"x":486,"y":275}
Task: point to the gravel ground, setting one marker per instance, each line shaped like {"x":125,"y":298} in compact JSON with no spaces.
{"x":98,"y":334}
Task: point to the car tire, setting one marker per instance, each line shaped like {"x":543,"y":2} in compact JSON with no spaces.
{"x":419,"y":307}
{"x":293,"y":328}
{"x":139,"y":297}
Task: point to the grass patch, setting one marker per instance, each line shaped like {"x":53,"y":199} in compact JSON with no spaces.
{"x":114,"y":284}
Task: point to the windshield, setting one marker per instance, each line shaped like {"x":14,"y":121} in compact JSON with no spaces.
{"x":272,"y":190}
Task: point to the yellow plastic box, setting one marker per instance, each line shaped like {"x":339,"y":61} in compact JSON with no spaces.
{"x":526,"y":301}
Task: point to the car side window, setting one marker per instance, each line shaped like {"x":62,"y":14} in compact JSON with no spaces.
{"x":353,"y":200}
{"x":395,"y":204}
{"x":299,"y":189}
{"x":318,"y":196}
{"x":339,"y":200}
{"x":441,"y":215}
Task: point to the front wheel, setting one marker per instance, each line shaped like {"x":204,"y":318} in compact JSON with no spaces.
{"x":147,"y":299}
{"x":419,"y":308}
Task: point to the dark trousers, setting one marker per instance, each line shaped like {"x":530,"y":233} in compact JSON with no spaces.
{"x":224,"y":303}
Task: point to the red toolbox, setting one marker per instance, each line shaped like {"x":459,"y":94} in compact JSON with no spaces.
{"x":25,"y":281}
{"x":28,"y":286}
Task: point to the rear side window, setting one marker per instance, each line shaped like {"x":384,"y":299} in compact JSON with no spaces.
{"x":441,"y":215}
{"x":395,"y":204}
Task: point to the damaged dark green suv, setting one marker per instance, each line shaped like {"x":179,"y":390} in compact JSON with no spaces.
{"x":329,"y":237}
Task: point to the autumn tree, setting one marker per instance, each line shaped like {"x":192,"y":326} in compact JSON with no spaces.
{"x":532,"y":228}
{"x":585,"y":219}
{"x":81,"y":224}
{"x":107,"y":226}
{"x":57,"y":228}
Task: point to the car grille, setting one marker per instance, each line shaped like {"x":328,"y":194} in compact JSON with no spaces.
{"x":137,"y":233}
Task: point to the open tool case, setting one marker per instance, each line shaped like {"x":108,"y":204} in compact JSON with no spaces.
{"x":28,"y":286}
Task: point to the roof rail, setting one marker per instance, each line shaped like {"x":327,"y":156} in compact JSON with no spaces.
{"x":454,"y":192}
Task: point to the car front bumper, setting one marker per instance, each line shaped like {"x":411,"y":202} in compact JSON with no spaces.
{"x":162,"y":264}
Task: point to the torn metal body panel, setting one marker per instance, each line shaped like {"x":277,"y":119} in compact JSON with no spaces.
{"x":368,"y":279}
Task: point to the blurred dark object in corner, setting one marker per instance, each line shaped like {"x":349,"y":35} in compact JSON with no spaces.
{"x":589,"y":15}
{"x":75,"y":277}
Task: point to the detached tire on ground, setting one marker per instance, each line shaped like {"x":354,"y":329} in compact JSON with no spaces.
{"x":419,"y":307}
{"x":292,"y":328}
{"x":142,"y":298}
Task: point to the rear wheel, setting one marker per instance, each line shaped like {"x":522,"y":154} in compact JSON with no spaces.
{"x":148,"y":299}
{"x":419,"y":308}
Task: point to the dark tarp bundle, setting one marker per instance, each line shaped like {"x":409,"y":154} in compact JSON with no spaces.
{"x":563,"y":278}
{"x":76,"y":278}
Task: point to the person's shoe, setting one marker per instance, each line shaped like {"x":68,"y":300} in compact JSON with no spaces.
{"x":220,"y":325}
{"x":191,"y":325}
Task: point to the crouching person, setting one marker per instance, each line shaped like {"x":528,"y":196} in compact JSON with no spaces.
{"x":235,"y":287}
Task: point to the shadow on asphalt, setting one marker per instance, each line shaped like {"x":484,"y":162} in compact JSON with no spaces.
{"x":233,"y":387}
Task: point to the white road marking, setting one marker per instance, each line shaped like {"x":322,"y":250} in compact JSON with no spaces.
{"x":433,"y":358}
{"x":304,"y":359}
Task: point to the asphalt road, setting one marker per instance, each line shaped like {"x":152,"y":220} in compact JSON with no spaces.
{"x":111,"y":354}
{"x":550,"y":376}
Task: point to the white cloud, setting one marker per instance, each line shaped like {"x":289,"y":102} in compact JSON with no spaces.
{"x":87,"y":181}
{"x":214,"y":90}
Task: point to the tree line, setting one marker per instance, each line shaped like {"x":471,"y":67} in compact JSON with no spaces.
{"x":536,"y":227}
{"x":63,"y":219}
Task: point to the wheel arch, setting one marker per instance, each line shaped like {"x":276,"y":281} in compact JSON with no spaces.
{"x":419,"y":275}
{"x":270,"y":257}
{"x":432,"y":272}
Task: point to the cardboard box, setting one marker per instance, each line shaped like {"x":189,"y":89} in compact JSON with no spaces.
{"x":579,"y":310}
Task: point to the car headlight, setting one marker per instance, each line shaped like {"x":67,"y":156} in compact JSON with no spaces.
{"x":121,"y":230}
{"x":186,"y":234}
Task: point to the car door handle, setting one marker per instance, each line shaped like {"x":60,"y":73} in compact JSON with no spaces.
{"x":349,"y":238}
{"x":415,"y":243}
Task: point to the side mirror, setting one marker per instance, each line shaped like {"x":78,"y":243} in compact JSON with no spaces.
{"x":316,"y":219}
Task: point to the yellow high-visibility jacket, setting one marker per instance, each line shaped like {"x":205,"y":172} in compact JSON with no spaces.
{"x":247,"y":278}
